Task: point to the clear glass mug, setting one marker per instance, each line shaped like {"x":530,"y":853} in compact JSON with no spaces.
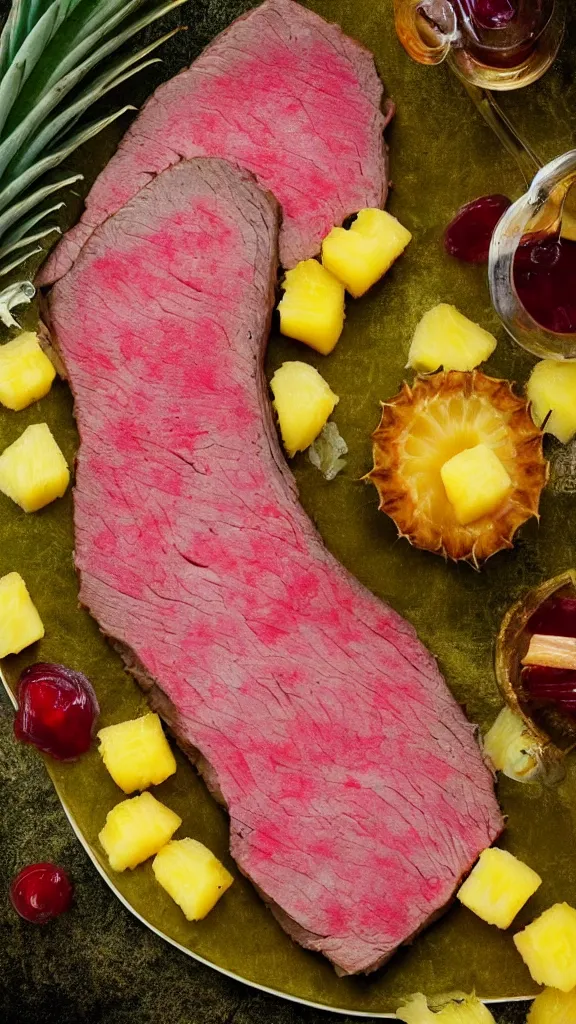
{"x":493,"y":44}
{"x":538,"y":227}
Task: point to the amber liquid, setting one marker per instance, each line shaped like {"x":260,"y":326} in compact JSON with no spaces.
{"x":545,"y":281}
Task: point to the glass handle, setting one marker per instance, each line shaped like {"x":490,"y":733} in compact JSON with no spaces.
{"x":426,"y":28}
{"x":542,"y":210}
{"x":528,"y":162}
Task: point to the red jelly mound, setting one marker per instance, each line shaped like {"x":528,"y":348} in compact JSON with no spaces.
{"x":469,"y":234}
{"x":57,"y":710}
{"x":40,"y":892}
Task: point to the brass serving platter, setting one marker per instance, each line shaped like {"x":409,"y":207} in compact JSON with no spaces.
{"x":441,"y":156}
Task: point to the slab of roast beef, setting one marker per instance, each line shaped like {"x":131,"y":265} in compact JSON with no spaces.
{"x":357,"y":794}
{"x":282,"y":93}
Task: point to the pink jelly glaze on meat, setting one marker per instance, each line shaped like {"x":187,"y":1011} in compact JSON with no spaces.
{"x":357,"y":794}
{"x":282,"y":93}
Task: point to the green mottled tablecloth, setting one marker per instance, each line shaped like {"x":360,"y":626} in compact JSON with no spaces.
{"x":97,"y":963}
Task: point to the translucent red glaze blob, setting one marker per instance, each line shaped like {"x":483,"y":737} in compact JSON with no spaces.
{"x":469,"y":234}
{"x":57,"y":710}
{"x":40,"y":892}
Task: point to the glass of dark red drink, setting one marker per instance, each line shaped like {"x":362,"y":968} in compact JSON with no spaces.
{"x":495,"y":44}
{"x":532,"y":263}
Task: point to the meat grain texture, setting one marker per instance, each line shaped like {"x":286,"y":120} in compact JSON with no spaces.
{"x":357,"y":794}
{"x":280,"y":92}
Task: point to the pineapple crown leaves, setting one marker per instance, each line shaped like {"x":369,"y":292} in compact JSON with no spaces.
{"x":49,"y":56}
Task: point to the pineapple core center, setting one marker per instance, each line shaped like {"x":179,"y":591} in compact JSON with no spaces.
{"x":442,"y":428}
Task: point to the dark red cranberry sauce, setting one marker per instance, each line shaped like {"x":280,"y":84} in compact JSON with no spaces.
{"x":490,"y":14}
{"x":555,"y":617}
{"x":545,"y":281}
{"x":552,"y":686}
{"x":469,"y":234}
{"x":544,"y":265}
{"x":41,"y":892}
{"x":502,"y":33}
{"x":57,"y":710}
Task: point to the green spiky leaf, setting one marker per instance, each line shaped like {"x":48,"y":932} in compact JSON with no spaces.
{"x":48,"y":48}
{"x":27,"y":240}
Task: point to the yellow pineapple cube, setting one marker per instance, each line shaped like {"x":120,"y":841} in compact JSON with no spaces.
{"x":136,"y":829}
{"x":445,"y":337}
{"x":361,"y":255}
{"x":20,"y":624}
{"x":192,"y":876}
{"x":512,"y":748}
{"x":476,"y":483}
{"x":312,"y":307}
{"x":33,"y":470}
{"x":548,"y":947}
{"x":459,"y":1010}
{"x":26,"y":373}
{"x":498,"y":887}
{"x":553,"y":1007}
{"x":551,"y":390}
{"x":303,"y":402}
{"x":137,"y":753}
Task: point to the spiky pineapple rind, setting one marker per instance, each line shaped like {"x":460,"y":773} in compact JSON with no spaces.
{"x":528,"y":469}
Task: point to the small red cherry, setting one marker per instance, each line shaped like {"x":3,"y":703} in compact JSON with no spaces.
{"x":41,"y":892}
{"x":57,"y":710}
{"x":469,"y":234}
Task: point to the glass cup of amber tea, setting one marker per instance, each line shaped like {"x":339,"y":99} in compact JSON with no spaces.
{"x":494,"y":44}
{"x":532,"y":263}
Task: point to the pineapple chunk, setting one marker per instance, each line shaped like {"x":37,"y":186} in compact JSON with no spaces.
{"x":460,"y":1010}
{"x":26,"y":373}
{"x":445,"y":337}
{"x":33,"y":470}
{"x":192,"y":876}
{"x":498,"y":887}
{"x":553,"y":1007}
{"x":137,"y":829}
{"x":303,"y":402}
{"x":361,"y":255}
{"x":552,"y":389}
{"x":512,"y":748}
{"x":20,"y":624}
{"x":476,"y":483}
{"x":137,"y":753}
{"x":312,"y":307}
{"x":548,"y":947}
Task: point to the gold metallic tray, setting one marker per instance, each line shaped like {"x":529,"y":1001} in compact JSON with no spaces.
{"x":441,"y":156}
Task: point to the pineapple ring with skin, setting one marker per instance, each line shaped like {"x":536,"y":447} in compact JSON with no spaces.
{"x":427,"y":424}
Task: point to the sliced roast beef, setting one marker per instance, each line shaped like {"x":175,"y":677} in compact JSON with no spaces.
{"x":280,"y":92}
{"x":358,"y":797}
